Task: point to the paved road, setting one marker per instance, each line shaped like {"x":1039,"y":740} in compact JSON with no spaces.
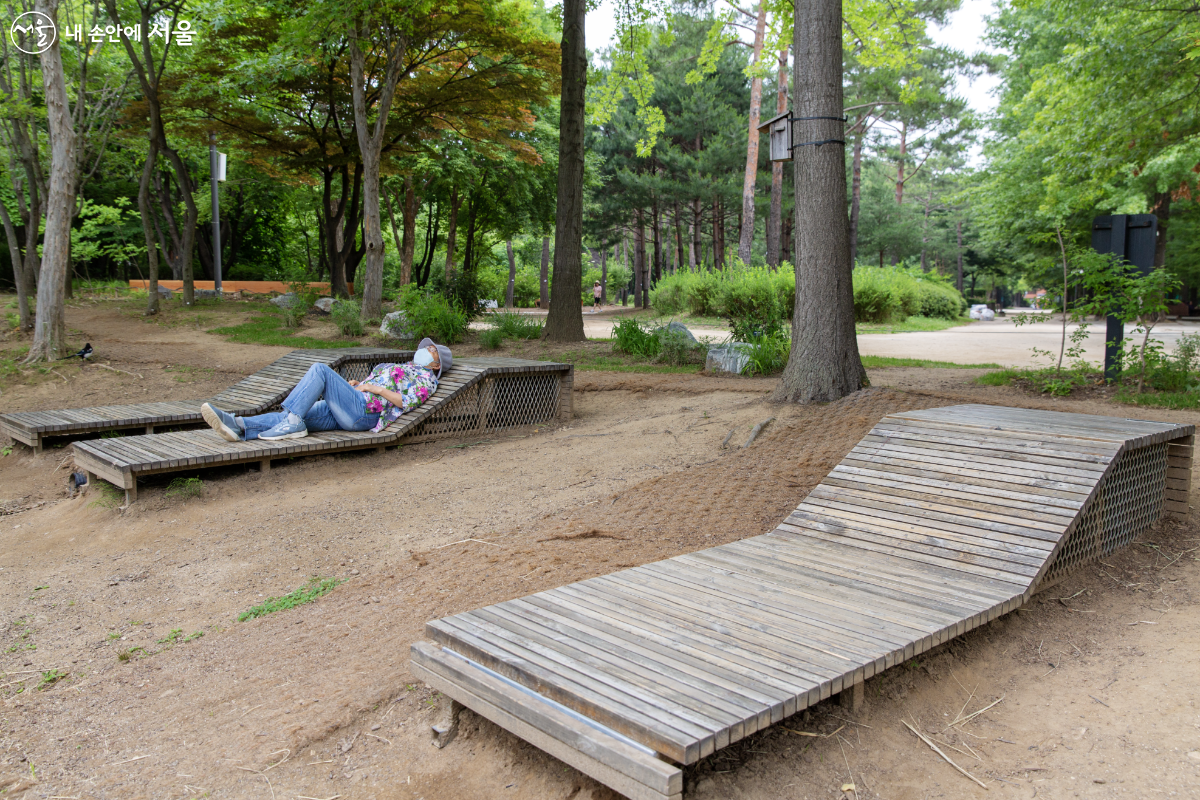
{"x":996,"y":342}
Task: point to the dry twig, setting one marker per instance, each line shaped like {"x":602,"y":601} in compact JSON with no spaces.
{"x":114,"y":369}
{"x":935,"y":749}
{"x":815,"y":735}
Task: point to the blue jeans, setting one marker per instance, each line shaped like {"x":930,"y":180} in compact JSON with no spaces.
{"x":343,"y":408}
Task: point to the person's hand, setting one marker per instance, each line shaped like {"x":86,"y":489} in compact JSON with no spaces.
{"x":368,"y":388}
{"x":353,"y":383}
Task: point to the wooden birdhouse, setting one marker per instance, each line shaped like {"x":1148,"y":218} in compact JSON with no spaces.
{"x":779,"y":129}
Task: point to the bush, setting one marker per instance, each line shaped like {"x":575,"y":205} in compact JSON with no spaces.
{"x":940,"y":301}
{"x":305,"y":296}
{"x":896,"y":293}
{"x":768,"y":353}
{"x":751,"y":306}
{"x":670,"y":294}
{"x":512,"y":325}
{"x":185,"y":488}
{"x":704,"y":294}
{"x":678,"y":349}
{"x":430,"y":315}
{"x":347,"y":316}
{"x":491,"y":338}
{"x":635,"y":339}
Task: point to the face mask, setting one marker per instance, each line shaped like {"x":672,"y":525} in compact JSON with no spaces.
{"x":423,"y":358}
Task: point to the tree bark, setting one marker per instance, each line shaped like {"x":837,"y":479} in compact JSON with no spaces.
{"x":544,"y":278}
{"x":925,"y":231}
{"x":603,"y":274}
{"x":452,"y":231}
{"x":959,"y":281}
{"x":639,"y":255}
{"x":1162,"y":210}
{"x":746,"y":237}
{"x":824,"y":364}
{"x":718,"y":235}
{"x":855,"y":197}
{"x":512,"y":276}
{"x":146,"y":212}
{"x":656,"y":229}
{"x":50,"y":327}
{"x":565,"y":321}
{"x":409,"y":214}
{"x":775,"y":219}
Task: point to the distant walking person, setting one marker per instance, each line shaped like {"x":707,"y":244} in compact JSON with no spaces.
{"x":596,"y":292}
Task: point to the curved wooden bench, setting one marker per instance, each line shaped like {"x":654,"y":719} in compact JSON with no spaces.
{"x":935,"y":523}
{"x":254,"y":394}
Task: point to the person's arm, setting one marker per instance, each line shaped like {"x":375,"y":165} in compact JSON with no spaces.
{"x":395,"y":398}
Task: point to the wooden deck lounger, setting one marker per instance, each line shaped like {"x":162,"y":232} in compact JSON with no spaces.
{"x":254,"y":394}
{"x":935,"y":523}
{"x":474,"y":396}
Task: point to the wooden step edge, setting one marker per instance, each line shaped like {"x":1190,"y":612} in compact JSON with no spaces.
{"x":624,"y":768}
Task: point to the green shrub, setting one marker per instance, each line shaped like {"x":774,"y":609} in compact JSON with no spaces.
{"x":347,"y":316}
{"x":768,"y":353}
{"x":513,"y":325}
{"x":491,"y":338}
{"x":751,"y":306}
{"x":678,"y":349}
{"x":704,"y":294}
{"x":940,"y":301}
{"x":635,"y":339}
{"x":874,"y":300}
{"x":429,"y":314}
{"x":897,"y":293}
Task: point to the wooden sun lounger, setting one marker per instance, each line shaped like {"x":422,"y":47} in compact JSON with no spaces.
{"x":254,"y":394}
{"x":473,"y":397}
{"x":935,"y":523}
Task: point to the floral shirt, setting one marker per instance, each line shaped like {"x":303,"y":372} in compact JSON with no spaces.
{"x":415,"y":384}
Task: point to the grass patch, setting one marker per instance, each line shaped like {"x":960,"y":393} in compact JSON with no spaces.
{"x":176,"y":637}
{"x":1172,"y":400}
{"x":188,"y":374}
{"x":315,"y":588}
{"x":109,"y":496}
{"x":269,"y":330}
{"x":911,"y":325}
{"x":185,"y":488}
{"x":604,"y":363}
{"x":1003,"y":377}
{"x":875,"y":362}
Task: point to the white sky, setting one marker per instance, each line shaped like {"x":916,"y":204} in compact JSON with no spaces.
{"x":964,"y":32}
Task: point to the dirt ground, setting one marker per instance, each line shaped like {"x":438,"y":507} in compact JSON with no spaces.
{"x":1096,"y":678}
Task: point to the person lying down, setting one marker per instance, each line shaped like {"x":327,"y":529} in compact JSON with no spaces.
{"x":325,"y":401}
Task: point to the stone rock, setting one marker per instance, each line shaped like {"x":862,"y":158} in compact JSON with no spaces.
{"x":490,"y":305}
{"x":325,"y":303}
{"x":395,"y":325}
{"x":207,"y":294}
{"x":731,"y":358}
{"x":676,"y":325}
{"x":285,"y":300}
{"x":165,"y":292}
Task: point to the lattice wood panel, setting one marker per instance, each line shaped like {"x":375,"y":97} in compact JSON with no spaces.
{"x":495,"y":403}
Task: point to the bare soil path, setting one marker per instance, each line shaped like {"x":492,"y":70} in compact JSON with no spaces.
{"x":1098,"y":675}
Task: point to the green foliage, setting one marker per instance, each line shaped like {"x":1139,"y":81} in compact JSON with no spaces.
{"x":491,"y":338}
{"x":316,"y":587}
{"x":430,"y":315}
{"x":185,"y":488}
{"x":875,"y":362}
{"x":347,"y":316}
{"x":897,"y":293}
{"x":295,"y":311}
{"x":677,"y":349}
{"x":108,"y":496}
{"x":513,"y":325}
{"x":51,"y":677}
{"x":751,"y":306}
{"x":768,"y":353}
{"x":268,"y":330}
{"x":635,"y":338}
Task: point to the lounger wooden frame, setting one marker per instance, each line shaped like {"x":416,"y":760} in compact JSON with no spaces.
{"x":254,"y":394}
{"x":937,"y":522}
{"x":473,"y":397}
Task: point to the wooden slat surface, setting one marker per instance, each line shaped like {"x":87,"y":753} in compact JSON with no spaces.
{"x":937,"y":522}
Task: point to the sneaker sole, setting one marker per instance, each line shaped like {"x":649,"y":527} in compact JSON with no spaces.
{"x":223,"y":430}
{"x":296,"y":435}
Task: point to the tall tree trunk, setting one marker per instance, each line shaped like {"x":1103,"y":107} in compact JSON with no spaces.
{"x":603,"y":274}
{"x":746,"y":237}
{"x":959,"y":281}
{"x":50,"y":326}
{"x":452,"y":231}
{"x":658,"y":250}
{"x":409,"y":214}
{"x":694,"y":238}
{"x":146,"y":212}
{"x":1162,"y":210}
{"x":639,"y":255}
{"x":855,"y":197}
{"x":512,"y":275}
{"x":718,"y":235}
{"x":925,"y":230}
{"x":824,"y":364}
{"x":775,"y":219}
{"x":565,"y":322}
{"x":900,"y":163}
{"x":544,"y":281}
{"x":678,"y":236}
